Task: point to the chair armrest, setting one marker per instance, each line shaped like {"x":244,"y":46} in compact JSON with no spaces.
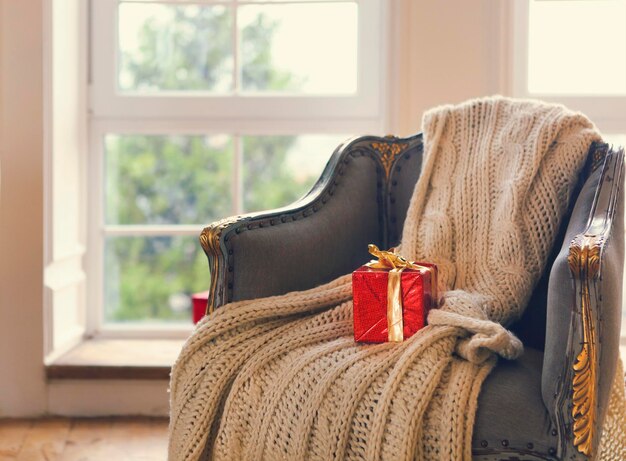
{"x":360,"y":198}
{"x":584,"y":311}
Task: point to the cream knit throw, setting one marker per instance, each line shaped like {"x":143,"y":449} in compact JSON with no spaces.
{"x":282,"y":378}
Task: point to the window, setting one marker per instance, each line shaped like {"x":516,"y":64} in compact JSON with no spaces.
{"x":204,"y":109}
{"x":571,"y":51}
{"x":574,"y":52}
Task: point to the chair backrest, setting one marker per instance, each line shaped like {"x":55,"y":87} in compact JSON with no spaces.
{"x":531,"y":327}
{"x":370,"y":178}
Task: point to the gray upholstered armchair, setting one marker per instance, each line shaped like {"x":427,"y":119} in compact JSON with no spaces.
{"x":526,"y":408}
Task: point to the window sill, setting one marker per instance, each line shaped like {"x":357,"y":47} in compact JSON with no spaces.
{"x":141,"y":359}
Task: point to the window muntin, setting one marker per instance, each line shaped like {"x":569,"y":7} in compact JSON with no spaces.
{"x":150,"y":279}
{"x":333,"y":66}
{"x":247,"y":48}
{"x":167,"y":180}
{"x":159,"y":191}
{"x":278,"y":170}
{"x":173,"y":150}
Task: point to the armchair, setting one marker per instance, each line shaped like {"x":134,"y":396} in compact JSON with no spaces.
{"x":529,"y":409}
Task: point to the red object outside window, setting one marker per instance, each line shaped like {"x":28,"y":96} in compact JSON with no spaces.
{"x":199,"y":301}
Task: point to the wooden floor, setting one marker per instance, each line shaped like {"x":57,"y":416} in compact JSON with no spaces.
{"x":62,"y":439}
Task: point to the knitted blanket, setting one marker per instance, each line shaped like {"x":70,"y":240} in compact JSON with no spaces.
{"x":282,"y":378}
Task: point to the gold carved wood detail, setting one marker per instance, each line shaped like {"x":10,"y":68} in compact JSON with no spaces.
{"x":210,"y":241}
{"x":598,"y":156}
{"x":585,"y":259}
{"x":388,"y":152}
{"x":584,"y":263}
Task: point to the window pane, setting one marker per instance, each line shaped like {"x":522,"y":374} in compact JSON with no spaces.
{"x":167,"y":179}
{"x":277,"y":170}
{"x":299,"y":48}
{"x":151,"y":279}
{"x":175,"y":47}
{"x":577,"y":47}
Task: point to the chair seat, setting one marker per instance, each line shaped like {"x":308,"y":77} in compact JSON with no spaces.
{"x":512,"y":420}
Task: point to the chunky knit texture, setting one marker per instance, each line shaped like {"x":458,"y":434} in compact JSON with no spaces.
{"x":282,"y":378}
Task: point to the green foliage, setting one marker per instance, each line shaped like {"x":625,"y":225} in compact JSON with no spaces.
{"x":258,"y":73}
{"x":181,"y":48}
{"x":167,"y":179}
{"x":161,"y":180}
{"x":185,"y":179}
{"x":147,"y":276}
{"x":268,"y":182}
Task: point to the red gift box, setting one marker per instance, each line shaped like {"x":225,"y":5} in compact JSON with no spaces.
{"x":370,"y":290}
{"x":199,"y":302}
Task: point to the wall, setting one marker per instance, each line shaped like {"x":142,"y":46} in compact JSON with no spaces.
{"x":445,"y":52}
{"x":65,"y":95}
{"x":22,"y":385}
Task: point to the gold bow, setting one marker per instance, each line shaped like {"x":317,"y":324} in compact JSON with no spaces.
{"x":395,"y":264}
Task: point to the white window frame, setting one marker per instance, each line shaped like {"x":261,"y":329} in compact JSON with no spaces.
{"x":206,"y":114}
{"x":608,"y":112}
{"x":108,"y":102}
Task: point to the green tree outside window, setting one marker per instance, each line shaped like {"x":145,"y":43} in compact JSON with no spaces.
{"x":162,"y":179}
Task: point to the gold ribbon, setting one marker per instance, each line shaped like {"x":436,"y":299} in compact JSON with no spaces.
{"x":395,"y":264}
